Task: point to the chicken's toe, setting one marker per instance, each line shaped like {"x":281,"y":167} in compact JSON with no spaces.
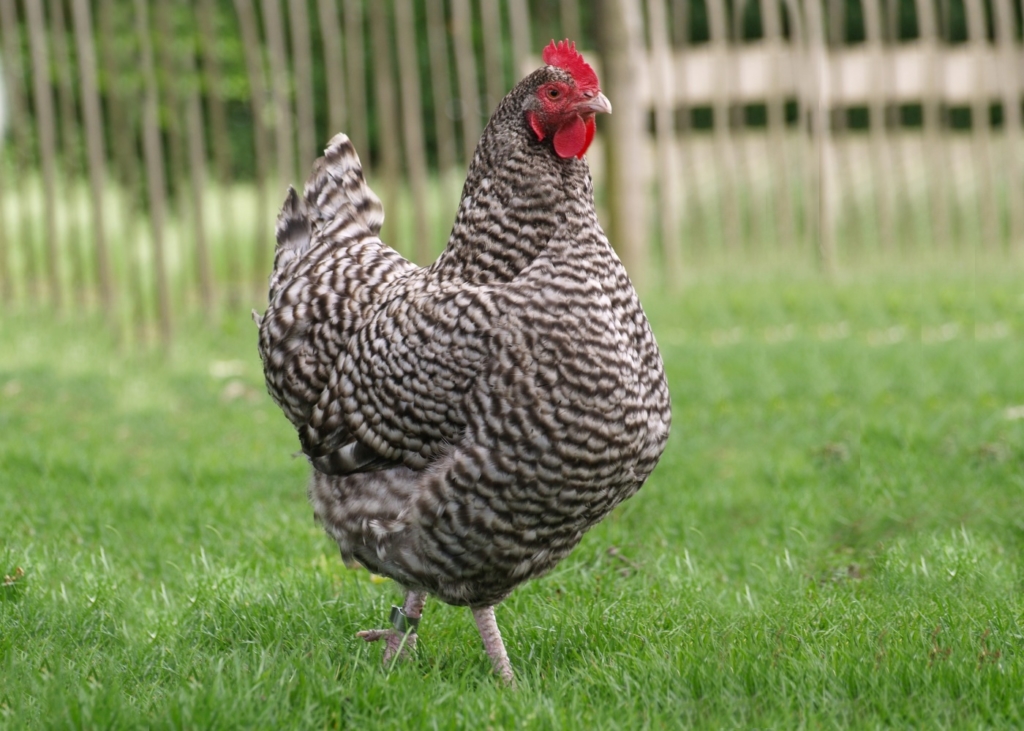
{"x":396,"y":644}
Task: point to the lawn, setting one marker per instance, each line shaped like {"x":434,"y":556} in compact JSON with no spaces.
{"x":834,"y":536}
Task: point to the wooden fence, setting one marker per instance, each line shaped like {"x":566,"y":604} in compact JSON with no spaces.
{"x":821,"y":129}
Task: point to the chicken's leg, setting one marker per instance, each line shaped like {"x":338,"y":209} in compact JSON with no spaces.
{"x":401,"y":638}
{"x":489,"y":633}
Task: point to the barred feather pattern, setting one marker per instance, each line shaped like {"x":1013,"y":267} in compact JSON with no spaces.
{"x":468,"y":421}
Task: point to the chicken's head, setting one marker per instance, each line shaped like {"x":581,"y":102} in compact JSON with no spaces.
{"x":563,"y":106}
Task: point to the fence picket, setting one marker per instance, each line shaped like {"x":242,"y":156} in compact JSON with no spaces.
{"x":622,"y":38}
{"x":220,"y":144}
{"x":494,"y":73}
{"x":122,"y":117}
{"x":412,"y":129}
{"x":167,"y":56}
{"x":724,"y":152}
{"x":155,"y":180}
{"x":17,"y":105}
{"x":302,"y":77}
{"x":280,"y":96}
{"x":1013,"y":175}
{"x":823,"y":207}
{"x":197,"y":173}
{"x":387,"y":106}
{"x":569,"y":14}
{"x":519,"y":30}
{"x":982,"y":166}
{"x":94,"y":147}
{"x":935,"y":162}
{"x":665,"y":154}
{"x":42,"y":97}
{"x":334,"y":67}
{"x":440,"y":84}
{"x":880,"y":152}
{"x":69,"y":147}
{"x":355,"y":66}
{"x":465,"y":66}
{"x":778,"y":159}
{"x":258,"y":96}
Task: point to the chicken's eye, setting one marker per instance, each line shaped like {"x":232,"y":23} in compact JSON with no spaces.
{"x":554,"y":93}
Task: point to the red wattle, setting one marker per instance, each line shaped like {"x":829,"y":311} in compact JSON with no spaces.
{"x":572,"y":138}
{"x":591,"y":128}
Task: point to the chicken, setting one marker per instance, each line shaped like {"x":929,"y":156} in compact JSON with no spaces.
{"x":467,"y":422}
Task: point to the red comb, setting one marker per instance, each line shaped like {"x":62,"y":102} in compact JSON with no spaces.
{"x":565,"y":56}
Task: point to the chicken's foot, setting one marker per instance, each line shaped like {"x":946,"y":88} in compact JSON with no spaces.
{"x":489,"y":633}
{"x":401,"y":638}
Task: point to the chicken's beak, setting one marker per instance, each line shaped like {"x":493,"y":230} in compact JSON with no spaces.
{"x":595,"y":104}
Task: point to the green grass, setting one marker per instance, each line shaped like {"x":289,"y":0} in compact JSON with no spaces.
{"x":833,"y":538}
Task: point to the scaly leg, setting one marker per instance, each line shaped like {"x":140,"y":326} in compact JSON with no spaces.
{"x":399,"y":640}
{"x":489,"y":633}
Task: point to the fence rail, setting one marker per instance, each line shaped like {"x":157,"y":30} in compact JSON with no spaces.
{"x":147,"y":143}
{"x":855,"y":76}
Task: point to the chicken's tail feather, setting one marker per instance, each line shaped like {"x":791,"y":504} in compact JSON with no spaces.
{"x":337,"y":193}
{"x":337,"y":207}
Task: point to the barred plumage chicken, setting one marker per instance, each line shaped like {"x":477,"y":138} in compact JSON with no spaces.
{"x":467,"y":422}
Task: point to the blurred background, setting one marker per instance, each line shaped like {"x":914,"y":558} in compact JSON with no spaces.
{"x":147,"y":145}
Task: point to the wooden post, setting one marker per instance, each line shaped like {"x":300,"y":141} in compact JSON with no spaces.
{"x":621,"y":46}
{"x":665,"y":154}
{"x":258,"y":93}
{"x":1009,"y":76}
{"x":355,"y":65}
{"x":273,"y":29}
{"x":94,"y":149}
{"x":334,"y":67}
{"x":305,"y":116}
{"x":387,"y":105}
{"x":195,"y":137}
{"x":465,"y":68}
{"x":412,"y":128}
{"x":155,"y":181}
{"x":43,"y":98}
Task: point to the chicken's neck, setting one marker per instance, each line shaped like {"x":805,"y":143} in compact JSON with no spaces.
{"x":516,"y":196}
